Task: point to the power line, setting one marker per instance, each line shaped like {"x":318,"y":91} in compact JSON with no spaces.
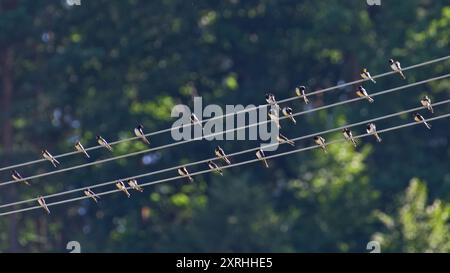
{"x":234,"y":113}
{"x":223,"y":167}
{"x":222,"y":132}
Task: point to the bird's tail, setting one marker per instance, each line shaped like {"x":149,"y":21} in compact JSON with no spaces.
{"x":265,"y":163}
{"x":431,"y":108}
{"x":353,"y":141}
{"x":54,"y":163}
{"x":145,"y":140}
{"x":290,"y":142}
{"x":227,"y":160}
{"x":324,"y":148}
{"x":109,"y":147}
{"x":293,"y":120}
{"x":190,"y":178}
{"x":374,"y":81}
{"x":378,"y":137}
{"x":401,"y":74}
{"x":427,"y":124}
{"x":26,"y":182}
{"x":370,"y":99}
{"x":86,"y":154}
{"x":306,"y":100}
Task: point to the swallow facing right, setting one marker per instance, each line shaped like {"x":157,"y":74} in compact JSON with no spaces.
{"x":418,"y":118}
{"x":79,"y":147}
{"x":366,"y":75}
{"x":287,"y":111}
{"x":395,"y":66}
{"x":426,"y":102}
{"x":221,"y":155}
{"x":372,"y":130}
{"x":42,"y":203}
{"x":213,"y":166}
{"x":321,"y":142}
{"x":260,"y":155}
{"x":50,"y":158}
{"x":301,"y":92}
{"x":16,"y":176}
{"x":134,"y":185}
{"x":121,"y":186}
{"x":104,"y":143}
{"x":195,"y":120}
{"x":348,"y":135}
{"x":89,"y":193}
{"x":273,"y":115}
{"x":362,"y":93}
{"x":184,"y":172}
{"x":139,"y":132}
{"x":282,"y":139}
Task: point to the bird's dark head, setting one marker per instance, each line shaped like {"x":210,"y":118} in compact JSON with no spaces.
{"x":302,"y":88}
{"x":360,"y":87}
{"x":140,"y":127}
{"x":43,"y":151}
{"x":391,"y":61}
{"x":316,"y":138}
{"x":345,"y":130}
{"x":364,"y":70}
{"x":98,"y":137}
{"x":217,"y":149}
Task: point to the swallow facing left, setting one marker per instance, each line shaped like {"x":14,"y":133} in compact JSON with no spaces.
{"x":426,"y":102}
{"x":348,"y":136}
{"x":221,"y":155}
{"x":366,"y":75}
{"x":42,"y":203}
{"x":79,"y":147}
{"x":372,"y":130}
{"x":282,"y":139}
{"x":273,"y":115}
{"x":270,"y":98}
{"x":139,"y":132}
{"x":260,"y":155}
{"x":134,"y":185}
{"x":301,"y":92}
{"x":195,"y":120}
{"x":213,"y":166}
{"x":418,"y":118}
{"x":50,"y":158}
{"x":321,"y":142}
{"x":89,"y":193}
{"x":287,"y":111}
{"x":362,"y":93}
{"x":121,"y":186}
{"x":16,"y":176}
{"x":104,"y":143}
{"x":395,"y":66}
{"x":184,"y":172}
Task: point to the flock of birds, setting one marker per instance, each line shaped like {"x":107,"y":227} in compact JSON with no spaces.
{"x":300,"y":91}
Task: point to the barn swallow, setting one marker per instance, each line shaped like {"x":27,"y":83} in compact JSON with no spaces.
{"x":348,"y":136}
{"x":287,"y":111}
{"x":426,"y":102}
{"x":50,"y":158}
{"x":42,"y":203}
{"x":184,"y":172}
{"x":104,"y":143}
{"x":282,"y":139}
{"x":273,"y":115}
{"x":17,"y":177}
{"x":221,"y":155}
{"x":121,"y":186}
{"x":362,"y":93}
{"x":418,"y":118}
{"x":372,"y":130}
{"x":79,"y":147}
{"x":321,"y":142}
{"x":395,"y":66}
{"x":366,"y":75}
{"x":138,"y":131}
{"x":134,"y":185}
{"x":195,"y":120}
{"x":260,"y":155}
{"x":213,"y":166}
{"x":301,"y":92}
{"x":270,"y":98}
{"x":89,"y":193}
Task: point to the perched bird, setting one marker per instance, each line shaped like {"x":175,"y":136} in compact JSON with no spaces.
{"x":184,"y":172}
{"x":282,"y":139}
{"x":50,"y":158}
{"x":213,"y":166}
{"x":104,"y":143}
{"x":366,"y":75}
{"x":287,"y":111}
{"x":372,"y":130}
{"x":362,"y":93}
{"x":89,"y":193}
{"x":195,"y":120}
{"x":348,"y":136}
{"x":79,"y":147}
{"x":426,"y":102}
{"x":270,"y":98}
{"x":134,"y":185}
{"x":260,"y":155}
{"x":273,"y":115}
{"x":395,"y":66}
{"x":221,"y":155}
{"x":418,"y":118}
{"x":138,"y":131}
{"x":121,"y":186}
{"x":16,"y":176}
{"x":301,"y":92}
{"x":321,"y":142}
{"x":42,"y":203}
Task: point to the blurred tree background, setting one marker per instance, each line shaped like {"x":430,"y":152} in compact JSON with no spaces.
{"x":72,"y":72}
